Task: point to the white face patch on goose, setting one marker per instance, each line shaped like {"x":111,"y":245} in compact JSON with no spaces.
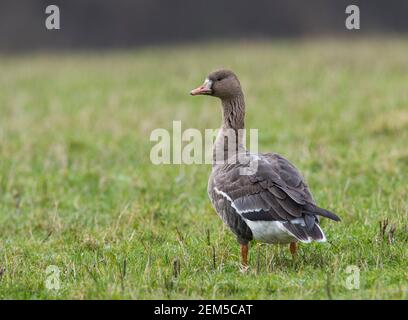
{"x":207,"y":83}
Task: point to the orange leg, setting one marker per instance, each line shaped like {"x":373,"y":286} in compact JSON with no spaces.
{"x":293,"y":248}
{"x":244,"y":254}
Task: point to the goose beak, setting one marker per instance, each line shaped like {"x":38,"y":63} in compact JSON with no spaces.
{"x":205,"y":88}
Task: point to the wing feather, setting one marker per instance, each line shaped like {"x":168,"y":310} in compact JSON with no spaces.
{"x":276,"y":191}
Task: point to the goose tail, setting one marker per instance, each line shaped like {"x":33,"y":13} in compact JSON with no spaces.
{"x":305,"y":234}
{"x":315,"y":210}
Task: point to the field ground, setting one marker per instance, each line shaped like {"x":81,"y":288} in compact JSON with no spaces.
{"x":78,"y":190}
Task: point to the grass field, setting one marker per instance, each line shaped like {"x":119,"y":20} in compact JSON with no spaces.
{"x":78,"y":190}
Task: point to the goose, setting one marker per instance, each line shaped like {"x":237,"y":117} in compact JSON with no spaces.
{"x":272,"y":202}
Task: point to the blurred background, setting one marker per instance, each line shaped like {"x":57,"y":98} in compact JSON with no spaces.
{"x":129,"y":23}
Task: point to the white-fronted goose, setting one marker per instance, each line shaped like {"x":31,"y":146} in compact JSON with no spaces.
{"x":273,"y":204}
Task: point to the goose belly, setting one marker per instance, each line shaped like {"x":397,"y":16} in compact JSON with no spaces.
{"x":269,"y":231}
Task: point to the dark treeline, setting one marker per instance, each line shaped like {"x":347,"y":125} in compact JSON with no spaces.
{"x":124,"y":23}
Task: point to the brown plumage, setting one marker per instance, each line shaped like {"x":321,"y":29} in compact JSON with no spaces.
{"x":271,"y":204}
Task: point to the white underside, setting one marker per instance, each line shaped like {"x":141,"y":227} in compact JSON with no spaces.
{"x":275,"y":232}
{"x":269,"y":231}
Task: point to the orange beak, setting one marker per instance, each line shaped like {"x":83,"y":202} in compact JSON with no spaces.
{"x":205,"y":88}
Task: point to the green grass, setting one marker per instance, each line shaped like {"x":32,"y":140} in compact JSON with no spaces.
{"x":77,"y":189}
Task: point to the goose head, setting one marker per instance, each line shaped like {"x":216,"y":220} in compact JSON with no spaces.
{"x":222,"y":84}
